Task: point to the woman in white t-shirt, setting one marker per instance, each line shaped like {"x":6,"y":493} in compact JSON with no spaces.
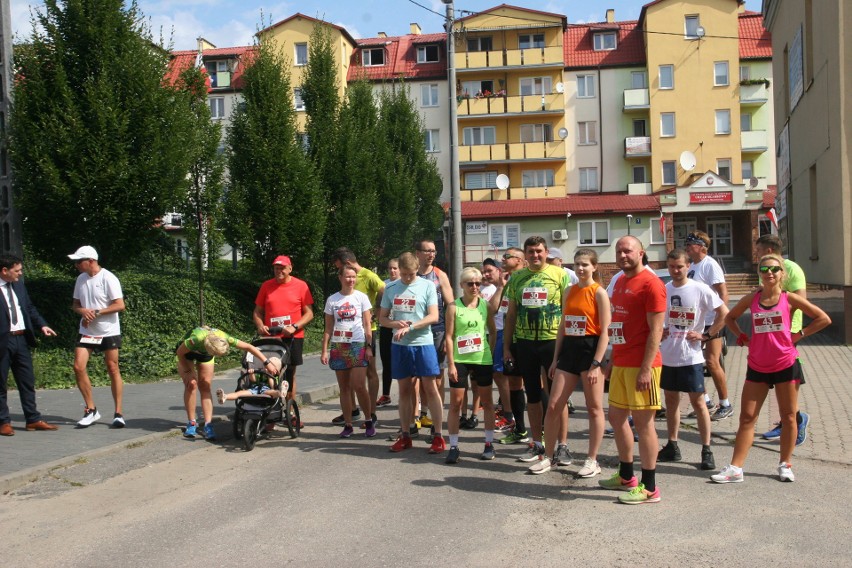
{"x":347,"y":345}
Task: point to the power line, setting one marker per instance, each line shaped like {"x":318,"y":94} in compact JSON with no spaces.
{"x":428,"y":9}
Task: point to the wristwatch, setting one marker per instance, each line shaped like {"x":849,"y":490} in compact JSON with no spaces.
{"x":97,"y":313}
{"x":295,"y":326}
{"x":595,"y":363}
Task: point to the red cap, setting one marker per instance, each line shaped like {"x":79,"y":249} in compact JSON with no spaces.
{"x":282,"y":260}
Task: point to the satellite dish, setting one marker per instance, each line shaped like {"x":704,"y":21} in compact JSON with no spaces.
{"x":560,"y":88}
{"x":687,"y":160}
{"x":502,"y":181}
{"x":700,"y":31}
{"x":563,"y":133}
{"x":752,"y":182}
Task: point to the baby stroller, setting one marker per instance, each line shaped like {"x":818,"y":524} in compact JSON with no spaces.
{"x":253,"y":413}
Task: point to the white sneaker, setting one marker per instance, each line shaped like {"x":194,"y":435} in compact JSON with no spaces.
{"x":729,"y":474}
{"x":118,"y":421}
{"x":590,"y":468}
{"x":785,"y":472}
{"x":542,"y":466}
{"x":90,"y":417}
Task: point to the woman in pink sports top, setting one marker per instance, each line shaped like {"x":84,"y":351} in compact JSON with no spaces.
{"x":772,"y":363}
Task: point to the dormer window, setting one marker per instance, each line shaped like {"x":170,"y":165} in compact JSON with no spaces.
{"x":373,"y":57}
{"x":219,"y":73}
{"x":604,"y":41}
{"x":428,"y":54}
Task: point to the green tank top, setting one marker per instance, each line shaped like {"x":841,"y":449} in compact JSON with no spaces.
{"x":470,"y":344}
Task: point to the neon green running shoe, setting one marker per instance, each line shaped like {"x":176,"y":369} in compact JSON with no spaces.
{"x":639,"y":495}
{"x":515,"y":438}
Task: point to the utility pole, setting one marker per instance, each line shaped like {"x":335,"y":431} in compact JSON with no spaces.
{"x":455,"y":182}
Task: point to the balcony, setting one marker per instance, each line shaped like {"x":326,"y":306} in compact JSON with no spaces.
{"x":637,"y":147}
{"x":495,"y":194}
{"x":636,"y":100}
{"x":753,"y":141}
{"x":552,"y":103}
{"x":639,"y":189}
{"x":520,"y":58}
{"x":538,"y":151}
{"x":220,"y":80}
{"x":753,"y":95}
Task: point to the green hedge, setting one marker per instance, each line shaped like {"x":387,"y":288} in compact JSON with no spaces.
{"x":161,"y":308}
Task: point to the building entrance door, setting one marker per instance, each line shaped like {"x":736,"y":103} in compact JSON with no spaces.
{"x":721,"y":242}
{"x":683,"y":227}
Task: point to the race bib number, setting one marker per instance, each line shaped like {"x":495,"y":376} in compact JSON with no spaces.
{"x":342,"y":333}
{"x":616,"y":333}
{"x":504,"y":306}
{"x":470,"y":343}
{"x":404,"y":304}
{"x":89,"y":340}
{"x":767,"y":322}
{"x":534,"y":297}
{"x":682,"y":316}
{"x":575,"y":326}
{"x":279,"y":321}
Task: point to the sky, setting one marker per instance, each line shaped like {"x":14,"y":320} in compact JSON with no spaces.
{"x":227,"y":23}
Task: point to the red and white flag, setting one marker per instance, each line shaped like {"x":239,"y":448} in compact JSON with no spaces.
{"x":662,"y":223}
{"x":773,"y":217}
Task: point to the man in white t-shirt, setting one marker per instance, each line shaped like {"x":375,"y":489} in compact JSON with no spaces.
{"x":554,"y":257}
{"x":705,"y":269}
{"x":98,"y":300}
{"x":688,"y":302}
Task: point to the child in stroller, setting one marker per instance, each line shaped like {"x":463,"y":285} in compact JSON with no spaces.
{"x":258,"y":387}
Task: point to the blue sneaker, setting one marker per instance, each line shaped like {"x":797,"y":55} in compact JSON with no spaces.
{"x":803,"y":429}
{"x":190,"y":430}
{"x":208,"y":431}
{"x":775,"y":433}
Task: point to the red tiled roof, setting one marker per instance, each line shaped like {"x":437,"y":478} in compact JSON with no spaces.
{"x":520,"y":9}
{"x":580,"y":52}
{"x":600,"y":204}
{"x":341,"y":29}
{"x":400,"y":58}
{"x":755,"y":40}
{"x":184,"y":59}
{"x":769,"y":196}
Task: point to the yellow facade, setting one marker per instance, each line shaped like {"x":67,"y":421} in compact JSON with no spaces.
{"x":695,"y":96}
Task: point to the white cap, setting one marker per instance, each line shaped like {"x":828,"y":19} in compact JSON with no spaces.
{"x":84,"y":253}
{"x":554,"y":252}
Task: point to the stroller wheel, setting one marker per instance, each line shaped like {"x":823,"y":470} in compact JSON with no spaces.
{"x":250,"y":432}
{"x":237,"y":425}
{"x":291,"y":416}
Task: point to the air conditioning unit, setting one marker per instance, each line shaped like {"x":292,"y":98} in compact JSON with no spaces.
{"x":559,"y":235}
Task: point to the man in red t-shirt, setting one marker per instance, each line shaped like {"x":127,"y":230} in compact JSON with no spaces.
{"x":638,"y":311}
{"x":285,"y":301}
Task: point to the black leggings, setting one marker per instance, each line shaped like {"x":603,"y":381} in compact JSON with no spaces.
{"x":385,"y":340}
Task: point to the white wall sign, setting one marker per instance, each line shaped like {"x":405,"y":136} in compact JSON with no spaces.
{"x":476,"y":227}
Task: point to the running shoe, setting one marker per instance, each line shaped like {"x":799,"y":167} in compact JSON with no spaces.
{"x":425,"y":421}
{"x":532,"y":454}
{"x":90,"y":416}
{"x":711,"y":408}
{"x":383,"y":401}
{"x":729,"y":474}
{"x":660,"y":415}
{"x":785,"y":472}
{"x":337,"y":420}
{"x":414,"y":431}
{"x":453,"y":455}
{"x":220,"y":396}
{"x":347,"y":431}
{"x":209,"y":433}
{"x":590,"y":468}
{"x":775,"y":433}
{"x":563,"y":456}
{"x":118,"y":421}
{"x":402,"y":443}
{"x":669,"y":453}
{"x":571,"y":409}
{"x":470,"y":424}
{"x":488,"y":452}
{"x":639,"y":496}
{"x":722,"y":412}
{"x":803,"y":430}
{"x":503,"y":425}
{"x":370,"y":431}
{"x":541,"y":466}
{"x":190,"y":430}
{"x":707,"y":461}
{"x":615,"y":482}
{"x":375,"y":422}
{"x":438,"y":445}
{"x":515,"y":437}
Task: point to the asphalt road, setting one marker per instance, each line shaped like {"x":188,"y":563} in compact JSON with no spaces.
{"x":323,"y":501}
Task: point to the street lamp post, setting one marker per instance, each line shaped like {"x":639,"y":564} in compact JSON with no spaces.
{"x":455,"y":182}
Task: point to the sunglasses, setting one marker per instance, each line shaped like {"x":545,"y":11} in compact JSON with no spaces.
{"x":507,"y":256}
{"x":471,"y":284}
{"x":772,"y":269}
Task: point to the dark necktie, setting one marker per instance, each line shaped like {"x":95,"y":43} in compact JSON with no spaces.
{"x":12,"y":306}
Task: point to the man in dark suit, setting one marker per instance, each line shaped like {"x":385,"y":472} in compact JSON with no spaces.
{"x":19,"y":319}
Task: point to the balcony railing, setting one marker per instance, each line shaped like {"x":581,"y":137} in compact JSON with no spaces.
{"x":639,"y":189}
{"x":637,"y":147}
{"x":636,"y":99}
{"x":511,"y":152}
{"x":532,"y":57}
{"x":494,"y":194}
{"x":754,"y":141}
{"x":753,"y":94}
{"x":548,"y":103}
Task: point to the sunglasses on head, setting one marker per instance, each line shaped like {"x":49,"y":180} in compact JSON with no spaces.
{"x":507,"y":256}
{"x":772,"y":269}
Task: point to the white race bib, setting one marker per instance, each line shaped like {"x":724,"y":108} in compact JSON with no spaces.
{"x":342,"y":333}
{"x":89,"y":340}
{"x":616,"y":333}
{"x":767,"y":322}
{"x":470,"y":343}
{"x":534,"y":297}
{"x":682,"y":316}
{"x":279,"y":321}
{"x":404,"y":304}
{"x":504,"y":306}
{"x":575,"y":326}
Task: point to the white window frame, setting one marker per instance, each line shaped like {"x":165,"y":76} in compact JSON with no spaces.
{"x":217,"y":108}
{"x":589,"y":180}
{"x":585,"y":86}
{"x":587,"y":133}
{"x":691,"y":23}
{"x":367,"y":57}
{"x":429,"y":95}
{"x":745,"y":72}
{"x":663,"y":131}
{"x":722,"y":116}
{"x":595,"y":239}
{"x":541,"y":132}
{"x":471,"y":134}
{"x":531,"y":40}
{"x":301,"y":49}
{"x":671,"y":83}
{"x":535,"y":86}
{"x":748,"y":171}
{"x":724,"y":164}
{"x":432,"y":140}
{"x":507,"y":235}
{"x":478,"y":43}
{"x":605,"y":41}
{"x":721,"y":74}
{"x":643,"y":84}
{"x":672,"y":165}
{"x":746,"y":121}
{"x":423,"y":53}
{"x":298,"y":101}
{"x":642,"y":169}
{"x":656,"y":237}
{"x":537,"y":178}
{"x":481,"y":180}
